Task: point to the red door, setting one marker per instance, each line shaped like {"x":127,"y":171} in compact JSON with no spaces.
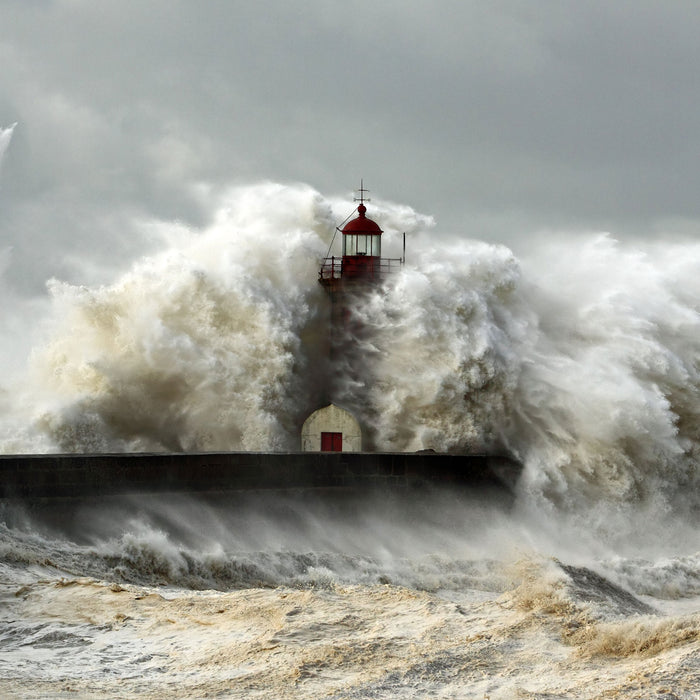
{"x":331,"y":442}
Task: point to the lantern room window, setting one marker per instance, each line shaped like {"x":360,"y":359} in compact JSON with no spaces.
{"x":361,"y":244}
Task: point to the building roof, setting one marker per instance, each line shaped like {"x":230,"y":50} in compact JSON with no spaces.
{"x":362,"y":224}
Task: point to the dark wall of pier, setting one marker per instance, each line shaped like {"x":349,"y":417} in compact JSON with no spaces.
{"x":72,"y":475}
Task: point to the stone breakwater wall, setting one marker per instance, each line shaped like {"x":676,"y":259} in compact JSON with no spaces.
{"x":84,"y":475}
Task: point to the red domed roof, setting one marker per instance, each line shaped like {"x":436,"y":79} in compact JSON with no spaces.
{"x":362,"y":224}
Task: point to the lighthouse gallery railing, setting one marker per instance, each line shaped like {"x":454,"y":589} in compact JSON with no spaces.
{"x":332,"y":268}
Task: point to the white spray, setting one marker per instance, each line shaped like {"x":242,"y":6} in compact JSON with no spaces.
{"x":580,"y":360}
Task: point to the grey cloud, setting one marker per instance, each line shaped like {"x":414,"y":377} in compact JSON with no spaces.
{"x":497,"y":118}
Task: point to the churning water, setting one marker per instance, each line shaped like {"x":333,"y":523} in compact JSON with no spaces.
{"x":581,"y":360}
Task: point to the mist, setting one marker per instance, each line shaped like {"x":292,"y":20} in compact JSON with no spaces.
{"x":170,"y":178}
{"x":577,"y":360}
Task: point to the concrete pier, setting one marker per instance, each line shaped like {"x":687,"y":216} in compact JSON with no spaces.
{"x":30,"y":477}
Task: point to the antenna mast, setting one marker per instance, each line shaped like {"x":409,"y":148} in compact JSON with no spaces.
{"x":362,"y":199}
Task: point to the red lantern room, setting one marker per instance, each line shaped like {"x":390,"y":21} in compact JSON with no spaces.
{"x":362,"y":253}
{"x":362,"y":247}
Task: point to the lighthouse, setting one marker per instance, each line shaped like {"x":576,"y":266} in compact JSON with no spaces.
{"x":348,"y":280}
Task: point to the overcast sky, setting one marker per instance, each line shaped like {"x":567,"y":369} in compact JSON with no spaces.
{"x":500,"y":118}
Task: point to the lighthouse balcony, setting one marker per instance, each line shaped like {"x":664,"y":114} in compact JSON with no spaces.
{"x":357,"y":267}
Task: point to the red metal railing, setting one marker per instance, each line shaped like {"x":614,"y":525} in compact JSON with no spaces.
{"x":334,"y":268}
